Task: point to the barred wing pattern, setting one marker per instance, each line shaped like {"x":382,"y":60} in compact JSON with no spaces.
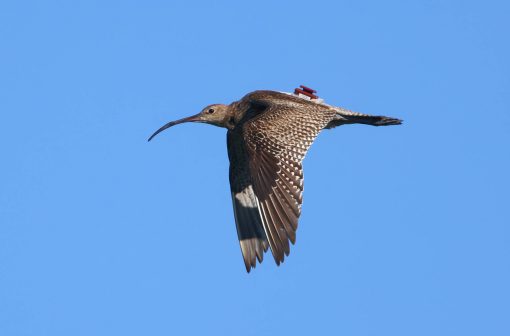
{"x":276,"y":142}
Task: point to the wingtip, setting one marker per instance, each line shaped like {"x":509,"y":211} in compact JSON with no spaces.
{"x":249,"y":266}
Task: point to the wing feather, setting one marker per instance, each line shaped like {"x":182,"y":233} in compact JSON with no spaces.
{"x":250,"y":230}
{"x":276,"y":140}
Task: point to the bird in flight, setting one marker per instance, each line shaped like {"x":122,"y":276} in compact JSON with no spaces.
{"x":268,"y":135}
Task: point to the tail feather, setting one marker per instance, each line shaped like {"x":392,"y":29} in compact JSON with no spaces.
{"x":344,"y":117}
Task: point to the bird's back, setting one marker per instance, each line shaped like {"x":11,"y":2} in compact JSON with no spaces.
{"x":278,"y":111}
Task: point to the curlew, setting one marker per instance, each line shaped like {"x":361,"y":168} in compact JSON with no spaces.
{"x":268,"y":136}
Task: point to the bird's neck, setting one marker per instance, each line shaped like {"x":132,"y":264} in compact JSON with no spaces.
{"x":231,"y":119}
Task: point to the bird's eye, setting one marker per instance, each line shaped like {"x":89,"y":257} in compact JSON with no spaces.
{"x":211,"y":110}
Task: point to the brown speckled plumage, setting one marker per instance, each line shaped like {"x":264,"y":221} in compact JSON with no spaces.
{"x":268,"y":136}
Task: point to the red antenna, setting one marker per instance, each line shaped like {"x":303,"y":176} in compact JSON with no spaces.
{"x":306,"y":91}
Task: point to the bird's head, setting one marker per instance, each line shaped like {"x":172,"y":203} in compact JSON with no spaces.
{"x":215,"y":114}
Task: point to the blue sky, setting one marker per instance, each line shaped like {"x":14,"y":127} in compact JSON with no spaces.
{"x":404,"y":231}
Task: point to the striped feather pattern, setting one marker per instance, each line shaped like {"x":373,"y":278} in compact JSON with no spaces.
{"x":277,"y":141}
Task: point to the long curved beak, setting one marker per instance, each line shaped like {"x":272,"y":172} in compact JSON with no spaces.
{"x":195,"y":117}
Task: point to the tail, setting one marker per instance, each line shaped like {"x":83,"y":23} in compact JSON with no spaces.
{"x":344,"y":117}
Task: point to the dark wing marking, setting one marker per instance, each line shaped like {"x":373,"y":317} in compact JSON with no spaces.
{"x":250,"y":231}
{"x":276,"y":141}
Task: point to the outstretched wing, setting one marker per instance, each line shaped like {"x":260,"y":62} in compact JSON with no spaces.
{"x":276,"y":141}
{"x":250,"y":231}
